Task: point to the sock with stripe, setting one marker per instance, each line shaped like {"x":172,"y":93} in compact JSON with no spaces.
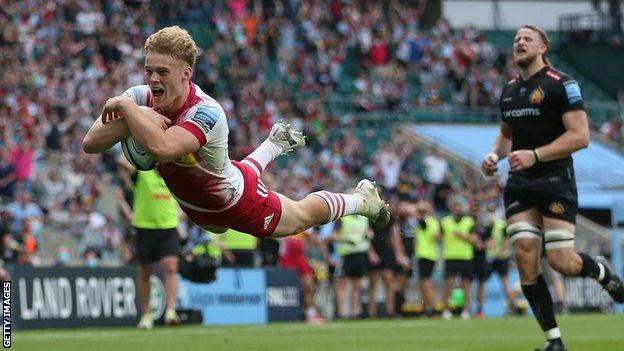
{"x":593,"y":269}
{"x":264,"y":154}
{"x":339,"y":205}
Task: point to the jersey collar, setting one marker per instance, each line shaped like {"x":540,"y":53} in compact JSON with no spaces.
{"x":190,"y":100}
{"x":536,"y":74}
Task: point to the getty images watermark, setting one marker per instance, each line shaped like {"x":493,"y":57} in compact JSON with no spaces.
{"x":6,"y":314}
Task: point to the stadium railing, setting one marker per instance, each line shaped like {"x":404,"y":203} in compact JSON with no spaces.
{"x":599,"y":111}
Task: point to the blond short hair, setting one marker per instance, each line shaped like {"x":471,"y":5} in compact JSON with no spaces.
{"x":173,"y":41}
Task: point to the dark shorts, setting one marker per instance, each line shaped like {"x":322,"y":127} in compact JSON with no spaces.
{"x":500,"y":266}
{"x":480,"y":266}
{"x":387,"y":260}
{"x":462,"y":268}
{"x":554,"y":195}
{"x":425,"y":268}
{"x":353,"y":265}
{"x":154,"y":244}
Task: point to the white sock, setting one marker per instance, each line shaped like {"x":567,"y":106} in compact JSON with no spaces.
{"x":264,"y":154}
{"x":553,"y":333}
{"x":340,"y":205}
{"x":601,"y":275}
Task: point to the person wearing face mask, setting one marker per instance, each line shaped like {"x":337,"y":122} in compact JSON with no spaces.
{"x":90,"y":259}
{"x":62,"y":256}
{"x":543,"y":121}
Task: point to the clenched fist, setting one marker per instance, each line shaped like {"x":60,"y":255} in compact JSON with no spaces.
{"x":521,"y":159}
{"x":488,"y":166}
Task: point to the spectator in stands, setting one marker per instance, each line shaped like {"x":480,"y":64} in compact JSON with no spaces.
{"x":90,"y":258}
{"x":29,"y":243}
{"x":95,"y":223}
{"x":7,"y":176}
{"x":23,"y":210}
{"x":63,"y":256}
{"x":53,"y":101}
{"x":22,"y":161}
{"x":389,"y":163}
{"x":436,"y":168}
{"x":612,"y":129}
{"x":52,"y":188}
{"x":11,"y":249}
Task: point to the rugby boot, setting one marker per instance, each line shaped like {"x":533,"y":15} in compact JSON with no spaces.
{"x":286,"y":137}
{"x":553,"y":346}
{"x":372,"y":206}
{"x":146,"y":322}
{"x":613,"y":285}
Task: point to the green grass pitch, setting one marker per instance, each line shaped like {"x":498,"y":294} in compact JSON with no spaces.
{"x":591,"y":332}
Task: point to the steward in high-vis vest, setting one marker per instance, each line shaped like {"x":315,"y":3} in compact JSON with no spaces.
{"x":155,"y":220}
{"x":427,"y":241}
{"x":352,"y":243}
{"x":352,"y":236}
{"x":458,"y":238}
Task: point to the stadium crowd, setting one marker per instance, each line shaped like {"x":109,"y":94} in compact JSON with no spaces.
{"x":613,"y":129}
{"x":64,"y":59}
{"x":266,"y":59}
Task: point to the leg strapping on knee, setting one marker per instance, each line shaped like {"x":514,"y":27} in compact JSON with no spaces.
{"x":523,"y":230}
{"x":558,"y":238}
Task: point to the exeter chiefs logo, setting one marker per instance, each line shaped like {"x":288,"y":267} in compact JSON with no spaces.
{"x":556,"y":208}
{"x":537,"y":96}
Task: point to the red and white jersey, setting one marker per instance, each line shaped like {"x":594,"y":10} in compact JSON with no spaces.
{"x":204,"y":180}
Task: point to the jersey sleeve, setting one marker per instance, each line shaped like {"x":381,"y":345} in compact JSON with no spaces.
{"x":500,"y":103}
{"x":138,"y":93}
{"x":570,"y":98}
{"x":202,"y":123}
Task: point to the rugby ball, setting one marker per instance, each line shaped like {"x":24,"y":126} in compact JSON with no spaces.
{"x":136,"y":155}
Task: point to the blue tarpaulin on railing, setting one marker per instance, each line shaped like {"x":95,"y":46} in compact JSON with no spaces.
{"x":599,"y":169}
